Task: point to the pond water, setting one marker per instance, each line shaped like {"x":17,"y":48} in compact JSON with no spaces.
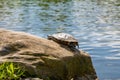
{"x":95,"y":23}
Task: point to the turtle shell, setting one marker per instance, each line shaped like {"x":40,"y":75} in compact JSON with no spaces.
{"x":64,"y":38}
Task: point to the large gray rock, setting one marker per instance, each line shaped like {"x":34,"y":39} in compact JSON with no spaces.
{"x":45,"y":58}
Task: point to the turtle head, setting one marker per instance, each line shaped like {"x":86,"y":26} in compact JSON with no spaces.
{"x":74,"y":44}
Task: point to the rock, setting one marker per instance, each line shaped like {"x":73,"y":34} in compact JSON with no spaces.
{"x":45,"y":58}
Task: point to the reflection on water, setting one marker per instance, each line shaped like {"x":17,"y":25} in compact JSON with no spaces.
{"x":96,"y":24}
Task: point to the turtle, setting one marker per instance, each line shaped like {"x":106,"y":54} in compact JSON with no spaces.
{"x":65,"y":39}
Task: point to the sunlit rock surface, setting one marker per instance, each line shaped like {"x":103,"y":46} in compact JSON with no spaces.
{"x":44,"y":58}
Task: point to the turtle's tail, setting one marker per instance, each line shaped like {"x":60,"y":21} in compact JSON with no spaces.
{"x":49,"y":37}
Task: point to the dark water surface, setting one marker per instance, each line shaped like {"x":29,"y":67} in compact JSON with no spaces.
{"x":95,"y":23}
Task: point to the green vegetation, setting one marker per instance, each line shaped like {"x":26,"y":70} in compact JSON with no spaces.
{"x":56,"y":1}
{"x":9,"y":70}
